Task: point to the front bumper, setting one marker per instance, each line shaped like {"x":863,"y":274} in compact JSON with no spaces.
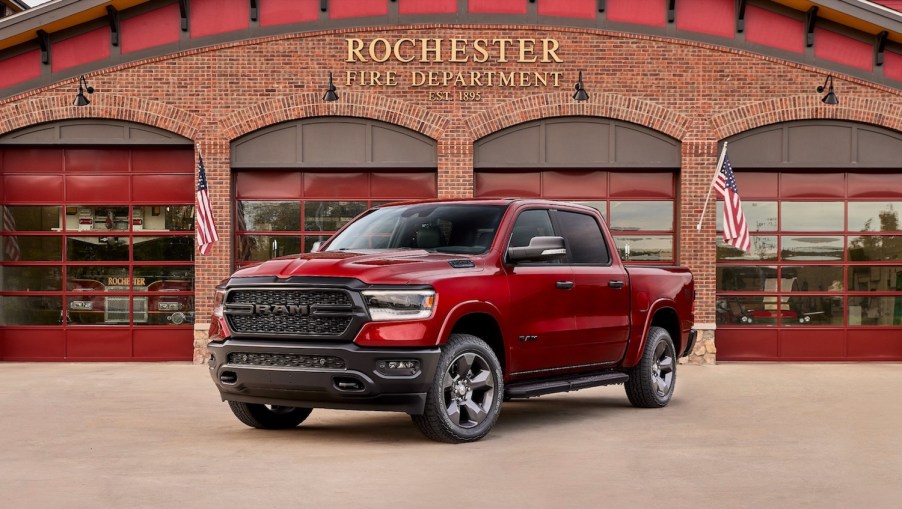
{"x":355,"y":384}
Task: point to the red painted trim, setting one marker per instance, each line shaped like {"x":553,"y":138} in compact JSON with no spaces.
{"x":20,"y":68}
{"x":151,"y":29}
{"x":81,"y":49}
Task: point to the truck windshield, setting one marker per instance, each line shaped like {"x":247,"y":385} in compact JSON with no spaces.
{"x":457,"y":228}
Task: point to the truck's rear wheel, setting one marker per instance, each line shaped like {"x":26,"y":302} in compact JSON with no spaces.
{"x":464,"y":400}
{"x":652,"y":381}
{"x":269,"y":416}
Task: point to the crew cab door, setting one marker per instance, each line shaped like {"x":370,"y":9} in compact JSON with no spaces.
{"x":541,"y":302}
{"x":601,"y":292}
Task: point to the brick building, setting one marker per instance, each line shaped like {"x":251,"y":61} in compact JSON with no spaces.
{"x":448,"y":98}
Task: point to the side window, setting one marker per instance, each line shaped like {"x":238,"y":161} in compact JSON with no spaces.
{"x":531,"y":223}
{"x":585,"y":243}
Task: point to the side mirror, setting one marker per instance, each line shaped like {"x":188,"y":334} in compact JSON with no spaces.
{"x":540,"y":249}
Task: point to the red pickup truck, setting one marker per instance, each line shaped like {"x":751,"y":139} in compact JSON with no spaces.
{"x":444,"y":309}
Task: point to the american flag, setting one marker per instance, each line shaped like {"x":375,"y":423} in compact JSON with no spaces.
{"x":205,"y":226}
{"x":11,"y":243}
{"x":735,"y":230}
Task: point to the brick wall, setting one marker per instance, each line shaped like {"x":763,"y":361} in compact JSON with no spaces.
{"x":696,"y":93}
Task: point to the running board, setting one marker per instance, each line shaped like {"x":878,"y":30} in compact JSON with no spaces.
{"x":574,"y":383}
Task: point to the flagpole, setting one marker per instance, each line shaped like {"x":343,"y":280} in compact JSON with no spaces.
{"x":723,"y":154}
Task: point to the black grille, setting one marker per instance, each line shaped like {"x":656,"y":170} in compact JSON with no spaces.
{"x":323,"y":313}
{"x":287,"y":360}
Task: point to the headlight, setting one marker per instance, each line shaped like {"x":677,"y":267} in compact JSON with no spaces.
{"x":399,"y":304}
{"x":218,"y":298}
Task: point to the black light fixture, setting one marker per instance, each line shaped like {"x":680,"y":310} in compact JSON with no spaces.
{"x":80,"y":99}
{"x":830,"y":98}
{"x":330,"y":91}
{"x":580,"y":94}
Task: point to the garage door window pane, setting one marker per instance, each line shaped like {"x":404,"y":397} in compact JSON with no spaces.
{"x":760,"y":216}
{"x":164,"y":249}
{"x":811,"y":248}
{"x":31,"y":218}
{"x":641,"y":215}
{"x":265,"y":247}
{"x":874,"y":216}
{"x":875,"y":278}
{"x":97,"y":278}
{"x":764,"y":248}
{"x":22,"y":248}
{"x":879,"y":311}
{"x":20,"y":310}
{"x":812,"y":216}
{"x":647,"y":248}
{"x":743,"y":310}
{"x":739,"y":278}
{"x":813,"y":310}
{"x":268,"y":216}
{"x":814,"y":278}
{"x":329,"y":216}
{"x":30,"y":279}
{"x":97,"y":249}
{"x":875,"y":248}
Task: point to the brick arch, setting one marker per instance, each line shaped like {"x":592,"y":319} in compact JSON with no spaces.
{"x":350,"y":104}
{"x":116,"y":107}
{"x":806,"y":107}
{"x":613,"y":106}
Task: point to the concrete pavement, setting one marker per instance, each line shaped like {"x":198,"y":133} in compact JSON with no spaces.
{"x":136,"y":435}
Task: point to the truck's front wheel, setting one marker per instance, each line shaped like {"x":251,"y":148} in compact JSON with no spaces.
{"x":269,"y":416}
{"x":464,"y":400}
{"x":652,"y":381}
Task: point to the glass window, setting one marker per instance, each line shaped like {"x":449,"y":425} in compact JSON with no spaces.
{"x":764,"y":248}
{"x":870,"y":278}
{"x":164,"y":278}
{"x":812,"y":310}
{"x":31,"y":218}
{"x":874,"y":216}
{"x":30,"y":310}
{"x":26,"y":248}
{"x":97,"y":249}
{"x":811,"y":248}
{"x":167,"y":218}
{"x":328,"y":216}
{"x":641,"y":215}
{"x":814,"y":278}
{"x":164,"y":248}
{"x":28,"y":279}
{"x":760,"y":216}
{"x":880,"y":311}
{"x":531,"y":223}
{"x":266,"y":247}
{"x":744,"y":278}
{"x":875,"y":248}
{"x":97,"y":278}
{"x":268,"y":216}
{"x":645,"y":248}
{"x":95,"y":309}
{"x":812,"y":216}
{"x":157,"y":309}
{"x":743,"y":310}
{"x":585,"y":241}
{"x":97,"y":218}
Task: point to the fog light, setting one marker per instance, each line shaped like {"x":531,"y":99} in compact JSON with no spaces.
{"x":399,"y":367}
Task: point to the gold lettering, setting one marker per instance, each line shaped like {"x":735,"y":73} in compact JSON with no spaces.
{"x":436,"y":51}
{"x":542,"y":78}
{"x":506,"y":80}
{"x":526,"y":47}
{"x":501,"y":48}
{"x":457,"y":51}
{"x":391,"y":79}
{"x":549,"y":46}
{"x":459,"y":80}
{"x":397,"y":50}
{"x":386,"y":53}
{"x":479,"y":47}
{"x":524,"y":79}
{"x":417,"y":79}
{"x":474,"y":79}
{"x":354,"y":47}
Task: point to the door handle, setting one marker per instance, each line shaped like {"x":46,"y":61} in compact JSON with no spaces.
{"x":615,"y":283}
{"x":564,"y":285}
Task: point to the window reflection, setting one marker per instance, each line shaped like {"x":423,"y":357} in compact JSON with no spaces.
{"x":97,"y":249}
{"x":813,"y":310}
{"x":814,"y":278}
{"x":22,"y":248}
{"x":327,"y":216}
{"x":157,"y":309}
{"x":739,"y":278}
{"x":268,"y":216}
{"x":645,"y":248}
{"x":641,"y":215}
{"x":164,"y":248}
{"x":265,"y":247}
{"x":811,"y":248}
{"x":96,"y":278}
{"x":788,"y":310}
{"x":875,"y":248}
{"x":97,"y":218}
{"x":31,"y":218}
{"x":764,"y":248}
{"x":812,"y":216}
{"x":27,"y":279}
{"x":164,"y":278}
{"x":874,"y":216}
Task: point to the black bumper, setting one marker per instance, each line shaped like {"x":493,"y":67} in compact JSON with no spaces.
{"x":356,"y":384}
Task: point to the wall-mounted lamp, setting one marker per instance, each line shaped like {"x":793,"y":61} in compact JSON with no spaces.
{"x":80,"y":99}
{"x":330,"y":91}
{"x":580,"y":94}
{"x":830,"y":98}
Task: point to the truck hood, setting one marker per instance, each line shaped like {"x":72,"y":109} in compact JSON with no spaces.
{"x":373,"y":267}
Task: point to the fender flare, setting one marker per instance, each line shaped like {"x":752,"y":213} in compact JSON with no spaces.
{"x":633,"y":355}
{"x":463,"y":309}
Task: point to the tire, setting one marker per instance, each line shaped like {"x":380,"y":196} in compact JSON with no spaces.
{"x":464,"y":401}
{"x":652,"y":381}
{"x":269,"y":416}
